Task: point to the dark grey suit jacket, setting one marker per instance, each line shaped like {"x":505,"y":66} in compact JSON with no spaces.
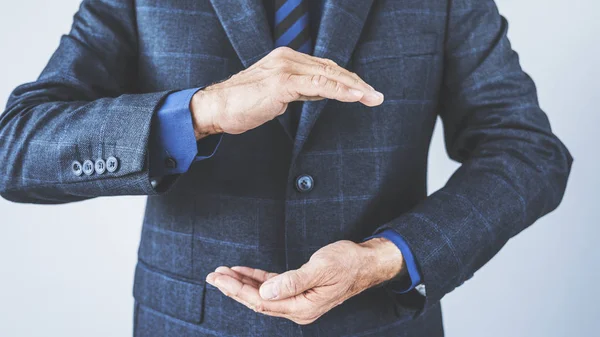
{"x":449,"y":58}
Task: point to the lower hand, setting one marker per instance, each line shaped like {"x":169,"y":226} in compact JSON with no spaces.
{"x":333,"y":274}
{"x":262,"y":92}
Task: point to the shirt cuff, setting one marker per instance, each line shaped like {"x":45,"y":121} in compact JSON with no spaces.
{"x":414,"y":276}
{"x":172,"y":145}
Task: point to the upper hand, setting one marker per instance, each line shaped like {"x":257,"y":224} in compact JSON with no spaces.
{"x":262,"y":92}
{"x":332,"y":275}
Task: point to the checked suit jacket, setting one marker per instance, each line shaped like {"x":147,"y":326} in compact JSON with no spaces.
{"x":451,"y":58}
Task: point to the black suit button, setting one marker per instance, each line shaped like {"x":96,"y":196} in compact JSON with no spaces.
{"x":304,"y":183}
{"x":170,"y":163}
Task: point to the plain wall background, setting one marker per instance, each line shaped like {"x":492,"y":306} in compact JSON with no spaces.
{"x":68,"y":270}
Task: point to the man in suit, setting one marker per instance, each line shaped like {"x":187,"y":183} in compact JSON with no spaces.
{"x":283,"y":148}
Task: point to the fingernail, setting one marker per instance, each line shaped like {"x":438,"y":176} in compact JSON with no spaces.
{"x":355,"y":93}
{"x":269,"y":291}
{"x":376,"y":95}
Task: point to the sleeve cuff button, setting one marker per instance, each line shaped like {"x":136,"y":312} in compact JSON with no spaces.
{"x":76,"y":168}
{"x":112,"y":164}
{"x":100,"y":166}
{"x":88,"y":167}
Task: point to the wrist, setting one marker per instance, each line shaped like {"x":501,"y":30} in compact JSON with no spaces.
{"x":383,"y":260}
{"x":205,"y":107}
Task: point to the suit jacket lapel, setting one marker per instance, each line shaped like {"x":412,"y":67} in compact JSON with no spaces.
{"x":341,"y":26}
{"x":246,"y":26}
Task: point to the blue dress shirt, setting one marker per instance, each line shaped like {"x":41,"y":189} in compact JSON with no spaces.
{"x":173,"y":146}
{"x":173,"y":149}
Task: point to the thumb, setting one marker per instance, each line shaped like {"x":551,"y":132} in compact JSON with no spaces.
{"x":288,"y":284}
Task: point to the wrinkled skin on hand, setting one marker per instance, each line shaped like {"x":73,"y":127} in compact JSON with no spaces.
{"x":333,"y":274}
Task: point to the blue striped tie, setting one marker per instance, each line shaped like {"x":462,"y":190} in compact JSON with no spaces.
{"x":292,"y":25}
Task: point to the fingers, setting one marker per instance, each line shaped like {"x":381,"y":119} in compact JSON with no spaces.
{"x":336,"y":73}
{"x":256,"y":274}
{"x":239,"y":276}
{"x":322,"y":86}
{"x":248,"y":295}
{"x":282,"y":286}
{"x":239,"y":284}
{"x":232,"y":287}
{"x":308,"y":77}
{"x":321,"y":66}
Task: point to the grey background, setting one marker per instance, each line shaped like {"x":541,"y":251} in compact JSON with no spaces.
{"x":64,"y":269}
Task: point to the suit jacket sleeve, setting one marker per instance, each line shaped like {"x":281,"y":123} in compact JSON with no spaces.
{"x":83,"y":106}
{"x":514,"y":170}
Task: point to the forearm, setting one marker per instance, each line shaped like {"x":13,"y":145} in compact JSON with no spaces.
{"x":81,"y":108}
{"x":491,"y":198}
{"x":382,"y":260}
{"x":514,"y":169}
{"x":40,"y":142}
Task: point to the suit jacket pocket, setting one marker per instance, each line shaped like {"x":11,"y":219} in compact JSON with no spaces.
{"x":406,"y":68}
{"x":421,"y":44}
{"x":167,"y":294}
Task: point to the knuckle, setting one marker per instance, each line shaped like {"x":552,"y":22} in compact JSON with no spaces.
{"x":355,"y":76}
{"x":284,"y":66}
{"x":291,"y":285}
{"x":330,"y":70}
{"x":319,"y":80}
{"x":330,"y":62}
{"x":332,"y":85}
{"x":339,"y":87}
{"x":322,"y":68}
{"x":281,"y":51}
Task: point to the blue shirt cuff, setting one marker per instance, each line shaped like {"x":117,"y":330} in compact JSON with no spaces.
{"x":172,"y":145}
{"x":414,"y":275}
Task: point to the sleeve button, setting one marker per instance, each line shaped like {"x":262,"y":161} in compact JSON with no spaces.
{"x":88,"y":167}
{"x":76,"y":168}
{"x":112,"y":164}
{"x":100,"y":166}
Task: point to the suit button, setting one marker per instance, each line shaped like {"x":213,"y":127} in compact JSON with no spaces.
{"x":170,"y":163}
{"x":88,"y":167}
{"x":112,"y":164}
{"x":304,"y":183}
{"x":100,"y":166}
{"x":76,"y":168}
